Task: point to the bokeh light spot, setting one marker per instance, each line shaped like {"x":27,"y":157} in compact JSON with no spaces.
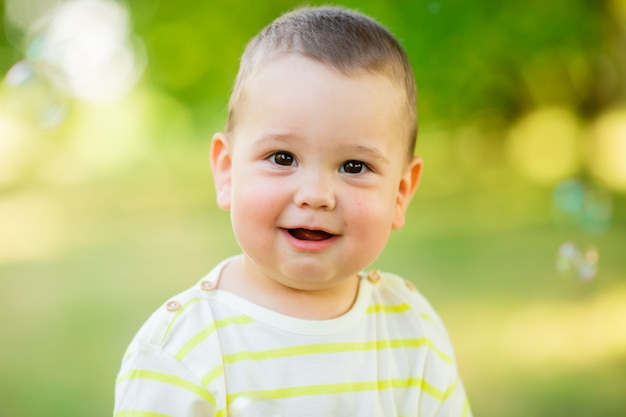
{"x":572,"y":261}
{"x":607,"y":153}
{"x":21,"y":15}
{"x":568,"y":196}
{"x":544,"y":145}
{"x":88,"y":43}
{"x":587,"y":207}
{"x":32,"y":96}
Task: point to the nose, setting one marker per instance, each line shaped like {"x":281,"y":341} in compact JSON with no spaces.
{"x":315,"y":190}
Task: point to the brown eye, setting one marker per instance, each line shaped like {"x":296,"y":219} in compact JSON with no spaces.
{"x":353,"y":167}
{"x":283,"y":158}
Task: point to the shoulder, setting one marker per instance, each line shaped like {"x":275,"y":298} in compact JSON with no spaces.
{"x":407,"y":313}
{"x":394,"y":290}
{"x":155,"y":371}
{"x":182,"y":316}
{"x":394,"y":286}
{"x":177,"y":320}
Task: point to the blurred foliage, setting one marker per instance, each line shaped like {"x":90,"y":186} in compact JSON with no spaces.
{"x":481,"y":67}
{"x":109,"y":213}
{"x":469,"y":57}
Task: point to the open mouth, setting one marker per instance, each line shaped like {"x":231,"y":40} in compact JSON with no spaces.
{"x":306,"y":234}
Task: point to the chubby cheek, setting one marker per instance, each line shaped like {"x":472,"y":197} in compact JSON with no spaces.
{"x":373,"y":209}
{"x":370,"y":220}
{"x":255,"y":205}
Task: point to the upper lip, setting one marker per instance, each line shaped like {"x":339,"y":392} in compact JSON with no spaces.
{"x":312,"y":228}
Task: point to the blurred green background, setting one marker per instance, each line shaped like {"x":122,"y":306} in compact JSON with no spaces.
{"x":107,"y":204}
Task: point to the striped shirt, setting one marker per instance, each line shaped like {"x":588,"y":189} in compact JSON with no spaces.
{"x":206,"y":352}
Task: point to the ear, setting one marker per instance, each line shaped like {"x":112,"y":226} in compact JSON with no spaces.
{"x":221,"y":164}
{"x":406,"y":189}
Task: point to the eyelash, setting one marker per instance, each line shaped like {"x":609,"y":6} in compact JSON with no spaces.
{"x":291,"y":161}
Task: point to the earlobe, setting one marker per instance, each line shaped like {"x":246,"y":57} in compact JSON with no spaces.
{"x":406,"y":189}
{"x":221,"y":164}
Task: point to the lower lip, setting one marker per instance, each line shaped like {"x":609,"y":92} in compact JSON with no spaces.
{"x":308,"y":245}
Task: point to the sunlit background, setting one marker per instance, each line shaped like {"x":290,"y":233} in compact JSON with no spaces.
{"x":517,"y":234}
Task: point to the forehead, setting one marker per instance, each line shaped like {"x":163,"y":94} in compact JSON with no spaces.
{"x":291,"y":89}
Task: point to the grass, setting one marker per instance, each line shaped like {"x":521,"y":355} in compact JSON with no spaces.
{"x":82,"y":266}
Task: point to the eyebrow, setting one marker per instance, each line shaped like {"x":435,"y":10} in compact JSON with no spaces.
{"x":370,"y":152}
{"x":274,"y":137}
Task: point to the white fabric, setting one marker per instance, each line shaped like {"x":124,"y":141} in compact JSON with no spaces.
{"x":388,"y":356}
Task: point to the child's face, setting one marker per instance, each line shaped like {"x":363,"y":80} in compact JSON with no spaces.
{"x":316,"y":174}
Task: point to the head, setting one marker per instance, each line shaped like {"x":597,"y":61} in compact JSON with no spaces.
{"x":349,"y":42}
{"x":316,"y":165}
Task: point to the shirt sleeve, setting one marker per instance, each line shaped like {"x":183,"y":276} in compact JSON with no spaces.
{"x":450,"y":396}
{"x":454,"y":402}
{"x":152,"y":383}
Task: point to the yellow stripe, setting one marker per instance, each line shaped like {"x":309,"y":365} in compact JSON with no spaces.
{"x":335,"y":348}
{"x":427,"y":317}
{"x":138,"y":413}
{"x":399,"y":308}
{"x":200,"y":391}
{"x":201,"y":336}
{"x":178,"y":313}
{"x":466,"y":408}
{"x":377,"y":308}
{"x":450,"y":390}
{"x":214,"y":373}
{"x":312,"y":390}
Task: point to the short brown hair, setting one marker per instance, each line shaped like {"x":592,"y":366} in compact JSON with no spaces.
{"x":343,"y":39}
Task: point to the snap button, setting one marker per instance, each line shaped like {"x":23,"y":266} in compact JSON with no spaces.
{"x":373,"y":277}
{"x":206,"y":286}
{"x":172,"y":305}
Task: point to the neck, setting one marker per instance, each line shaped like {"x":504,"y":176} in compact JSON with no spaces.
{"x":322,"y":304}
